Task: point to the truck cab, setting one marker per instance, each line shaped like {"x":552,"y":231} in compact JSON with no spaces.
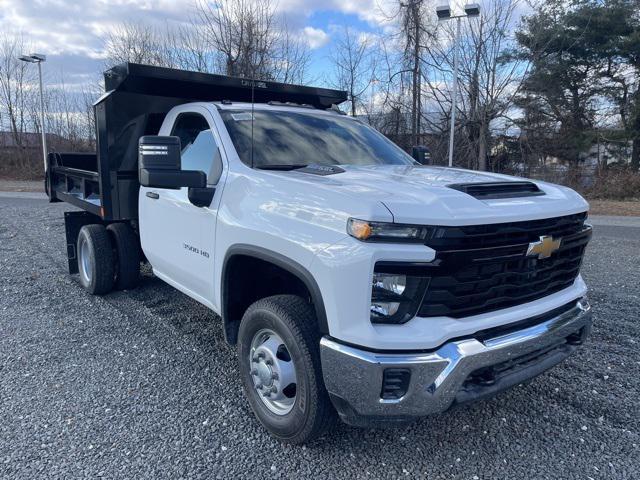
{"x":354,"y":282}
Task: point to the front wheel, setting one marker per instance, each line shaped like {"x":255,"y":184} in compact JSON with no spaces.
{"x":279,"y":355}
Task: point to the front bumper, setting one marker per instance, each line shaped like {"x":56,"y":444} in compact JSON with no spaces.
{"x":457,"y":372}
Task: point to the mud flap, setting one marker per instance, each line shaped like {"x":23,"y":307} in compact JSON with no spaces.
{"x":73,"y":222}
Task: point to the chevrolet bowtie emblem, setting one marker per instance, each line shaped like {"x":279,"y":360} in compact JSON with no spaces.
{"x":544,"y":247}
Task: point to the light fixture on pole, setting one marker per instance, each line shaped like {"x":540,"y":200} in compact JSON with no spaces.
{"x":39,"y":58}
{"x":444,"y":13}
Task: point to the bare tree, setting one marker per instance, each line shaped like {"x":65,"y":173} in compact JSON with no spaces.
{"x":70,"y":127}
{"x":234,"y":37}
{"x":15,"y":82}
{"x":189,"y":45}
{"x":242,"y":31}
{"x":249,"y":40}
{"x":291,"y":56}
{"x":488,"y":78}
{"x":138,"y":42}
{"x":411,"y":20}
{"x":88,"y":95}
{"x":402,"y":68}
{"x":393,"y":117}
{"x":491,"y":78}
{"x":354,"y":65}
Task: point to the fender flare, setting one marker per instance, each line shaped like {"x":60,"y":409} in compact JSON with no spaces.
{"x":283,"y":262}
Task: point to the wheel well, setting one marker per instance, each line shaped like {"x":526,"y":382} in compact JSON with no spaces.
{"x":247,"y":278}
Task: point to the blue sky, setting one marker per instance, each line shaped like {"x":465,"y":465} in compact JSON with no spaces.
{"x":330,"y":22}
{"x":72,"y":33}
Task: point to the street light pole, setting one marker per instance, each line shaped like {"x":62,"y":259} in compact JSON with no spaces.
{"x":39,"y":58}
{"x":455,"y":91}
{"x":44,"y":135}
{"x":444,"y":13}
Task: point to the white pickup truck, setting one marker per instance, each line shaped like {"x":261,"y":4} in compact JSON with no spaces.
{"x":355,"y":282}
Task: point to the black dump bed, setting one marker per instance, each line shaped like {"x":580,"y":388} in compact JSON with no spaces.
{"x":136,"y":101}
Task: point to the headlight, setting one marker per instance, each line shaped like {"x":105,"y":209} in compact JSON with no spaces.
{"x":387,"y":232}
{"x":395,"y":297}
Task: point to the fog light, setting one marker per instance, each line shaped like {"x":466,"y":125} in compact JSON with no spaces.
{"x":395,"y":297}
{"x":386,"y":288}
{"x":384,"y":309}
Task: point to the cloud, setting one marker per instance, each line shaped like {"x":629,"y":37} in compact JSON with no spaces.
{"x":78,"y":27}
{"x":375,"y":12}
{"x":76,"y":70}
{"x":72,"y":32}
{"x":315,"y":37}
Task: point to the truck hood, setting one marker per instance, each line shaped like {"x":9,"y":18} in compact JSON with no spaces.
{"x":420,"y":194}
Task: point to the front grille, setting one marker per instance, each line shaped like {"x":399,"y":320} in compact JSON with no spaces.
{"x":480,"y":269}
{"x":501,"y":234}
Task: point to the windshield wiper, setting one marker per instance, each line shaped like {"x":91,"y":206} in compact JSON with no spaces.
{"x":282,"y":166}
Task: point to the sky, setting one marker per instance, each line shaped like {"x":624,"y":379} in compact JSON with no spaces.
{"x":71,"y":33}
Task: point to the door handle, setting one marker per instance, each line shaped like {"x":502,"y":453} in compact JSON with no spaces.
{"x":153,"y":195}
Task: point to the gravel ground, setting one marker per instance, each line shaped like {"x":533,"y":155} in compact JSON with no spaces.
{"x":140,"y":384}
{"x":7,"y":185}
{"x":613,"y":207}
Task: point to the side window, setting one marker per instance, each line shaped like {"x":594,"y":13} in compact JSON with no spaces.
{"x":197,"y":142}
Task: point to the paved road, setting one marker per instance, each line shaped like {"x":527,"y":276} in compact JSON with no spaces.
{"x":140,"y":384}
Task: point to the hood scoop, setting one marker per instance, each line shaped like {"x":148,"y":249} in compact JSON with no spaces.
{"x":496,"y":190}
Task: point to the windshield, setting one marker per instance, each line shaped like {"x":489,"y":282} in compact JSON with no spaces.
{"x":284,"y":138}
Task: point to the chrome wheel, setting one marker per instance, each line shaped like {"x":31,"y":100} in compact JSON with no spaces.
{"x":84,"y":260}
{"x":273,"y":372}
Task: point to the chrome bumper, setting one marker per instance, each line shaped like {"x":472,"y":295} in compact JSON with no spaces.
{"x":451,"y":374}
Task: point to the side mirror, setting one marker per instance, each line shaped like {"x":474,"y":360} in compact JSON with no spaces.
{"x":159,"y":164}
{"x":421,"y":154}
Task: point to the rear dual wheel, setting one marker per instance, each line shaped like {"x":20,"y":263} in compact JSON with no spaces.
{"x":127,"y":256}
{"x":107,"y":258}
{"x":96,"y":263}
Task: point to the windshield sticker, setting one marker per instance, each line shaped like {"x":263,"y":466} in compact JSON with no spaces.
{"x":238,"y":117}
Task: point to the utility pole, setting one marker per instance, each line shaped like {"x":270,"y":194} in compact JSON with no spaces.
{"x":454,"y":94}
{"x":413,"y":24}
{"x":415,"y":123}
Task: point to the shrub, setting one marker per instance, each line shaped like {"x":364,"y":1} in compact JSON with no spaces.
{"x":615,"y":184}
{"x":21,"y":165}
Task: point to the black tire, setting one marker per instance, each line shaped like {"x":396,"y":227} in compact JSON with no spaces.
{"x":293,"y":319}
{"x":127,"y":256}
{"x":95,"y":248}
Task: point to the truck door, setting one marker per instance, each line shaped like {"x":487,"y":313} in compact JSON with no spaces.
{"x":177,"y":237}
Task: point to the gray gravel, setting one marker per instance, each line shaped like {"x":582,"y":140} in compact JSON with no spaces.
{"x":140,"y":384}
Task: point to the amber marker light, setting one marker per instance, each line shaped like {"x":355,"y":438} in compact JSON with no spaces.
{"x":367,"y":231}
{"x":359,"y":229}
